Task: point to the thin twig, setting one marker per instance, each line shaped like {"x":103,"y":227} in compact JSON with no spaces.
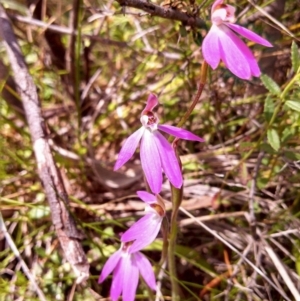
{"x":65,"y":30}
{"x":93,"y":38}
{"x":160,"y":276}
{"x":25,"y":268}
{"x":204,"y":218}
{"x":225,"y":242}
{"x":50,"y":176}
{"x":252,"y":192}
{"x":282,"y":272}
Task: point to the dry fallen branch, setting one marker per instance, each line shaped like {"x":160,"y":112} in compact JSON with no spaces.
{"x":63,"y":222}
{"x":163,"y":12}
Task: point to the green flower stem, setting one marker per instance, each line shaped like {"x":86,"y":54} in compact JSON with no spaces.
{"x":164,"y":252}
{"x":290,"y":85}
{"x":177,"y":194}
{"x":176,"y":197}
{"x":176,"y":201}
{"x":77,"y":51}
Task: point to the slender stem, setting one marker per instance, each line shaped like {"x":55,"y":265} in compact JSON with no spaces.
{"x":77,"y":50}
{"x":202,"y":82}
{"x":176,"y":201}
{"x":289,"y":86}
{"x":164,"y":252}
{"x":177,"y":194}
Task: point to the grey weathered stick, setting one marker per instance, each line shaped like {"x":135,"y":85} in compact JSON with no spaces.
{"x":57,"y":197}
{"x":163,"y":12}
{"x":25,"y":268}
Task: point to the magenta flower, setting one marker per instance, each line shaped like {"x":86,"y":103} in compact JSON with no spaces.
{"x":145,"y":230}
{"x":221,"y":43}
{"x":156,"y":152}
{"x":126,"y":268}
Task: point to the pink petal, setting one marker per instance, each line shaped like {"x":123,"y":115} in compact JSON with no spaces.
{"x":110,"y":265}
{"x":152,"y":102}
{"x":145,"y":269}
{"x":151,"y":162}
{"x":129,"y":147}
{"x":230,"y":13}
{"x":147,"y":197}
{"x":130,"y":278}
{"x":233,"y":54}
{"x":250,"y":35}
{"x":117,"y":282}
{"x":248,"y":56}
{"x":210,"y":47}
{"x":168,"y":160}
{"x":143,"y":232}
{"x":179,"y":133}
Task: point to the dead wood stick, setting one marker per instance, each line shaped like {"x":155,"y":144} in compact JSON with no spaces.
{"x":163,"y":12}
{"x":57,"y":197}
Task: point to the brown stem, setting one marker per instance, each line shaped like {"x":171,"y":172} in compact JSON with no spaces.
{"x":202,"y":82}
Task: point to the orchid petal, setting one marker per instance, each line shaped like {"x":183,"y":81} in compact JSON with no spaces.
{"x":117,"y":281}
{"x":232,"y":54}
{"x":248,"y":55}
{"x":147,"y":197}
{"x":110,"y":265}
{"x":230,"y":13}
{"x":250,"y":35}
{"x":130,"y":278}
{"x":152,"y":102}
{"x":210,"y":47}
{"x":129,"y":148}
{"x":168,"y":160}
{"x":143,"y":232}
{"x":179,"y":133}
{"x":145,"y":269}
{"x":151,"y":162}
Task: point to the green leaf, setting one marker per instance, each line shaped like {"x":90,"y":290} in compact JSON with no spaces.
{"x":270,"y":84}
{"x":295,"y":58}
{"x":293,"y":104}
{"x":287,"y":133}
{"x":274,"y":139}
{"x":292,"y":155}
{"x":269,"y":108}
{"x":267,"y":148}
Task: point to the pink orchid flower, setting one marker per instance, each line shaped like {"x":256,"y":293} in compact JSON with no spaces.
{"x":145,"y":230}
{"x":156,"y":152}
{"x":221,"y":43}
{"x":126,"y":268}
